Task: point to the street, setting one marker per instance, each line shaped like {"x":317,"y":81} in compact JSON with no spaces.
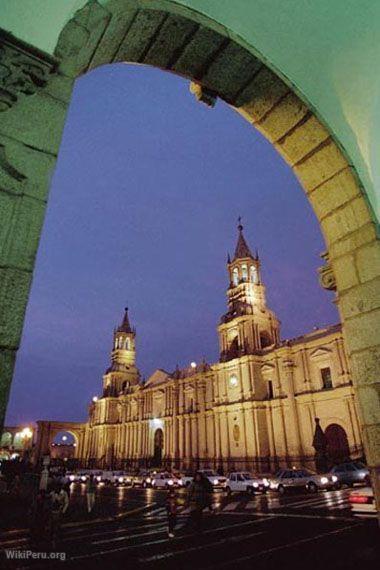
{"x":264,"y":531}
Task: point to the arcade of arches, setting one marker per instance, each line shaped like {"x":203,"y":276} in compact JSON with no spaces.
{"x":35,"y":92}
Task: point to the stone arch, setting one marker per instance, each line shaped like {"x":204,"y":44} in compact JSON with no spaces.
{"x":178,"y":39}
{"x":47,"y":431}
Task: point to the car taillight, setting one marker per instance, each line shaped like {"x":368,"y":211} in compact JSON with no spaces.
{"x":360,"y":499}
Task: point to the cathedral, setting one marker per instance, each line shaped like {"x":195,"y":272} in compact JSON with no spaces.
{"x":255,"y":409}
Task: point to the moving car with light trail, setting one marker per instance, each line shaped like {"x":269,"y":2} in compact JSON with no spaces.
{"x":244,"y":482}
{"x":217,"y":481}
{"x":351,"y":472}
{"x":286,"y":479}
{"x":363,"y":503}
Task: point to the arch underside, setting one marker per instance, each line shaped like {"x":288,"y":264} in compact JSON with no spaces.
{"x":184,"y":42}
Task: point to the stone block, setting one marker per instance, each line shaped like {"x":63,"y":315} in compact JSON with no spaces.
{"x":36,"y":121}
{"x":345,"y":220}
{"x":258,"y":98}
{"x":20,"y":245}
{"x":371,"y":439}
{"x":113,"y":36}
{"x":353,"y":241}
{"x":320,"y":166}
{"x":201,"y":48}
{"x":340,"y":189}
{"x":14,"y":291}
{"x":140,"y":35}
{"x":360,"y":299}
{"x":170,"y":41}
{"x":368,"y":261}
{"x":362,"y":331}
{"x":7,"y":361}
{"x":302,"y":140}
{"x":231,"y":69}
{"x":345,"y":273}
{"x":282,"y":118}
{"x":7,"y":207}
{"x":365,"y":366}
{"x":24,"y":170}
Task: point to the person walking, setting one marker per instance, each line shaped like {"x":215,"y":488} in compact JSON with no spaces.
{"x":209,"y":492}
{"x":171,"y":509}
{"x":90,"y":493}
{"x":197,"y":502}
{"x":59,"y":502}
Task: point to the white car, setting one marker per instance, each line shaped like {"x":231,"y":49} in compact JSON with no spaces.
{"x":185,"y":480}
{"x":164,"y":480}
{"x":242,"y":481}
{"x":363,"y":502}
{"x":302,"y":479}
{"x":217,"y":481}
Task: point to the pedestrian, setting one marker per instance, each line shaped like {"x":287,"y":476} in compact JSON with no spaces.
{"x":90,"y":493}
{"x":171,"y":509}
{"x":209,"y":492}
{"x":59,"y":502}
{"x":197,"y":502}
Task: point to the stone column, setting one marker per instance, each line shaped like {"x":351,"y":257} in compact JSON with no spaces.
{"x":293,"y":419}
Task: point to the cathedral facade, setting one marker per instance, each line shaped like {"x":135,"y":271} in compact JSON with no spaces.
{"x":257,"y":408}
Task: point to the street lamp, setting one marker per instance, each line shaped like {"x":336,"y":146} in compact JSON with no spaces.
{"x":95,"y":399}
{"x":26,"y":434}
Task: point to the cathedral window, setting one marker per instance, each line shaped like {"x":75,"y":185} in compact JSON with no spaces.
{"x":244,"y":272}
{"x":116,"y":342}
{"x":235,"y":276}
{"x":253,"y":271}
{"x":233,"y":381}
{"x":326,"y":378}
{"x":127,"y":343}
{"x":265,"y":339}
{"x":270,"y":390}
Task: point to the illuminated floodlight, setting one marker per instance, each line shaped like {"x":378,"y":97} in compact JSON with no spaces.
{"x":95,"y":399}
{"x":64,"y":438}
{"x":156,"y":423}
{"x":193,"y":365}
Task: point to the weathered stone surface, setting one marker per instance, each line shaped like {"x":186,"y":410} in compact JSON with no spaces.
{"x":340,"y":189}
{"x":261,"y":95}
{"x":113,"y":36}
{"x":362,"y":331}
{"x":360,"y":299}
{"x":345,"y":272}
{"x":346,"y":219}
{"x":282,"y":118}
{"x":79,"y":38}
{"x":366,"y":365}
{"x":320,"y":166}
{"x":168,"y":44}
{"x":368,"y":261}
{"x":302,"y":140}
{"x":371,"y":437}
{"x":7,"y":361}
{"x":197,"y":54}
{"x":353,"y":241}
{"x":14,"y":291}
{"x":230,"y":71}
{"x":140,"y":35}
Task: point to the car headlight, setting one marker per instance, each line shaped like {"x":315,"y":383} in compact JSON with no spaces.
{"x":215,"y":482}
{"x":334,"y":478}
{"x":153,"y":482}
{"x":180,"y":482}
{"x":170,"y":482}
{"x":266,"y":482}
{"x":83,"y":478}
{"x":255,"y":485}
{"x":99,"y":478}
{"x":324,"y":480}
{"x":72,"y":477}
{"x":148,"y":480}
{"x":121,"y":479}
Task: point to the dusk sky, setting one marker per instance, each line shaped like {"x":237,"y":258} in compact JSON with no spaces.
{"x":143,"y":209}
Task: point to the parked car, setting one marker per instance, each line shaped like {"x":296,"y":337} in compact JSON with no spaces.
{"x":217,"y":481}
{"x":242,"y":481}
{"x":351,"y":472}
{"x":164,"y":480}
{"x":142,"y":479}
{"x":363,"y":502}
{"x":286,"y":479}
{"x":185,"y":480}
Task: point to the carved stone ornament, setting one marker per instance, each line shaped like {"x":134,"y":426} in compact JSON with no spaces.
{"x":23,"y":70}
{"x":326,"y":274}
{"x":203,"y":94}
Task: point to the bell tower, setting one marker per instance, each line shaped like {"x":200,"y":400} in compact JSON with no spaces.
{"x":122,"y":375}
{"x":248,"y":326}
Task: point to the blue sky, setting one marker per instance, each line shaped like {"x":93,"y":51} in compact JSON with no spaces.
{"x":143,"y":209}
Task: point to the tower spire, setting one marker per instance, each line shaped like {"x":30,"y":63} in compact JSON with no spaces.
{"x":125,"y":325}
{"x":242,"y":249}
